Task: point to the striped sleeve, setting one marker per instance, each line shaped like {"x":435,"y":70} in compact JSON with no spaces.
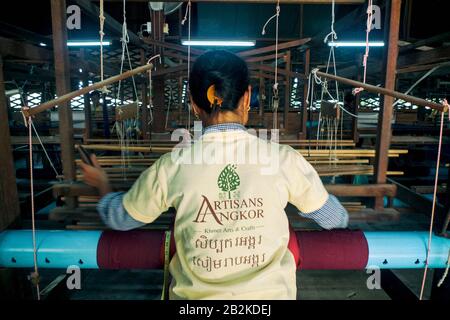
{"x":114,"y":215}
{"x":332,"y":215}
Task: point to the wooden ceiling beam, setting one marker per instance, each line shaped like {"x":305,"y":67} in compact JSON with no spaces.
{"x":424,"y":57}
{"x":12,"y":48}
{"x":281,"y":46}
{"x":438,"y":38}
{"x":172,"y":46}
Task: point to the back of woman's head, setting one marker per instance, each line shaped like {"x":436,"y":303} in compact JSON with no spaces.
{"x":226,"y":71}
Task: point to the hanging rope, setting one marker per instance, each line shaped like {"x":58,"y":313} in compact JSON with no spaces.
{"x":366,"y":54}
{"x":275,"y":97}
{"x":45,"y":152}
{"x":150,"y":85}
{"x":125,"y":39}
{"x":329,"y":124}
{"x":102,"y":35}
{"x":34,"y":276}
{"x":332,"y":34}
{"x":444,"y":276}
{"x":368,"y":29}
{"x":433,"y":208}
{"x":127,"y":129}
{"x":187,"y":17}
{"x":319,"y":81}
{"x":34,"y":129}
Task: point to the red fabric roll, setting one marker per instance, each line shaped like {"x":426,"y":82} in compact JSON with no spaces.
{"x":136,"y":249}
{"x":312,"y":250}
{"x":293,"y":246}
{"x":332,"y":250}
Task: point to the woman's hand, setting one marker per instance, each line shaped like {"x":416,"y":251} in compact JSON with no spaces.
{"x":96,"y":177}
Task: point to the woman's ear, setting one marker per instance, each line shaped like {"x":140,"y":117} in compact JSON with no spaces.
{"x":194,"y":107}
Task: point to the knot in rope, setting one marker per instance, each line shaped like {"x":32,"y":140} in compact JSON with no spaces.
{"x":355,"y":91}
{"x":188,"y":8}
{"x":105,"y":90}
{"x":125,"y":37}
{"x":276,"y":15}
{"x":333,"y":36}
{"x":332,"y":33}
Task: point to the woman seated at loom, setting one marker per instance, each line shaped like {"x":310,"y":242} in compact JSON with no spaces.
{"x":229,"y":189}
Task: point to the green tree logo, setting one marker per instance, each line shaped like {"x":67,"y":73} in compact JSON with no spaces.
{"x":228,"y":179}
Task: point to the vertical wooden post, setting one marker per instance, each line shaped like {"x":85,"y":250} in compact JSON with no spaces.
{"x":306,"y":65}
{"x":9,"y":198}
{"x":158,"y":124}
{"x":144,"y":97}
{"x":385,"y":116}
{"x":62,"y":76}
{"x":287,"y":91}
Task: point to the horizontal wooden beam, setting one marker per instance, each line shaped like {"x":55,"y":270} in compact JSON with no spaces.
{"x":437,"y":38}
{"x":340,"y":190}
{"x":369,"y":190}
{"x":96,"y":86}
{"x":166,"y":71}
{"x":384,"y":91}
{"x":13,"y":48}
{"x":265,"y":58}
{"x":424,"y":57}
{"x":418,"y":201}
{"x":172,"y":46}
{"x":422,"y":67}
{"x":281,"y":46}
{"x":282,"y":72}
{"x":247,"y":59}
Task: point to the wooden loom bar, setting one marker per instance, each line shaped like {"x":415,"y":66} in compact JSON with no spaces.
{"x":19,"y":139}
{"x":386,"y":92}
{"x":82,"y":91}
{"x":148,"y":148}
{"x":340,"y":190}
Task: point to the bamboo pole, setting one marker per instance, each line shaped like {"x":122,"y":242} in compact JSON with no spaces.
{"x":384,"y":91}
{"x":71,"y":95}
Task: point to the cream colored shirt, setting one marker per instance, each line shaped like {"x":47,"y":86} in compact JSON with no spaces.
{"x":231,"y":232}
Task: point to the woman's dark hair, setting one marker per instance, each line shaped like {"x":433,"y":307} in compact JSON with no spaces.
{"x":226,"y":71}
